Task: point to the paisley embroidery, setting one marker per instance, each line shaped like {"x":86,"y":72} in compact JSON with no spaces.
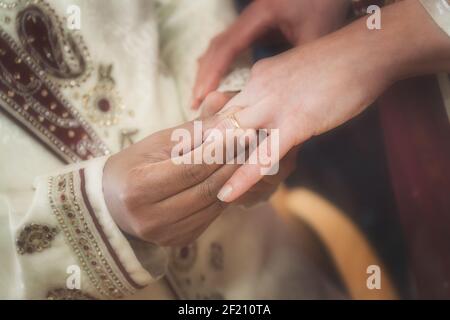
{"x":35,"y":238}
{"x":58,"y":53}
{"x":34,"y":101}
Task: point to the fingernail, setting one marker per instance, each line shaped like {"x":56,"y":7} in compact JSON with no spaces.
{"x":225,"y":192}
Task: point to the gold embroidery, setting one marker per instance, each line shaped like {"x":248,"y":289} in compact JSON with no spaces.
{"x":9,"y":4}
{"x":21,"y":100}
{"x":62,"y":53}
{"x":68,"y":294}
{"x":126,"y":138}
{"x":103,"y":103}
{"x":81,"y":233}
{"x":35,"y":238}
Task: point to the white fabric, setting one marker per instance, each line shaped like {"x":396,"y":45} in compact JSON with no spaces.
{"x":440,"y":12}
{"x":126,"y":35}
{"x":94,"y":189}
{"x":153,"y":47}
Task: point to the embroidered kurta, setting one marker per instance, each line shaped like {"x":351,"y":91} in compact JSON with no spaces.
{"x":72,"y":97}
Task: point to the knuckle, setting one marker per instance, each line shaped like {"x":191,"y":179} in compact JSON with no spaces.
{"x":208,"y":189}
{"x":191,"y":174}
{"x":260,"y":67}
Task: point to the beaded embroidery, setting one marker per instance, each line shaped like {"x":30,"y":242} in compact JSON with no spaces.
{"x":35,"y":101}
{"x":63,"y":55}
{"x":35,"y":238}
{"x":83,"y":236}
{"x":68,"y":294}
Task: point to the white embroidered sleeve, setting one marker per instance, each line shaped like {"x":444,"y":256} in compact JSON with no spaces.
{"x":68,"y":240}
{"x":440,"y":12}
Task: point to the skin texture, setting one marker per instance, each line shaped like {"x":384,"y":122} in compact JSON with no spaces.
{"x":156,"y":200}
{"x":314,"y":88}
{"x":300,"y":21}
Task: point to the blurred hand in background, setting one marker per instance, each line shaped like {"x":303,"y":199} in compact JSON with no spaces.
{"x":300,"y":21}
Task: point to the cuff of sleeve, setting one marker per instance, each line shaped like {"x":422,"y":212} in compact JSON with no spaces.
{"x":103,"y":251}
{"x":121,"y":251}
{"x":439,"y":10}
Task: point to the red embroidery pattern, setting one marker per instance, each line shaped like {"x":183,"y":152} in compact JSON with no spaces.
{"x":32,"y":99}
{"x":43,"y":37}
{"x":86,"y":237}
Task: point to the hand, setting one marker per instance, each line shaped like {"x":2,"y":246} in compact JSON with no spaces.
{"x":156,"y":200}
{"x":315,"y":88}
{"x":264,"y":189}
{"x":299,"y":20}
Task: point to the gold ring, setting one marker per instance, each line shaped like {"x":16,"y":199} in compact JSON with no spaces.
{"x":234,"y":121}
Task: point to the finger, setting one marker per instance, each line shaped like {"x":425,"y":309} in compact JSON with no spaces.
{"x":287,"y":166}
{"x":187,"y":170}
{"x":175,"y":141}
{"x":256,"y":167}
{"x":256,"y":116}
{"x":197,"y":197}
{"x":192,"y":227}
{"x":214,"y":102}
{"x":264,"y":189}
{"x":210,"y":72}
{"x":173,"y":176}
{"x":253,"y":22}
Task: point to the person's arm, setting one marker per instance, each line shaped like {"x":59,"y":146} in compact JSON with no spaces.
{"x":66,"y":245}
{"x":315,"y":88}
{"x":84,"y":220}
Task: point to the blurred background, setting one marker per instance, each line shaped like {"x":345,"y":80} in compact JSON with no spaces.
{"x":348,"y":167}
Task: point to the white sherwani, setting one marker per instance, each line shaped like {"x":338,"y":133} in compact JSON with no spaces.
{"x":72,"y":95}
